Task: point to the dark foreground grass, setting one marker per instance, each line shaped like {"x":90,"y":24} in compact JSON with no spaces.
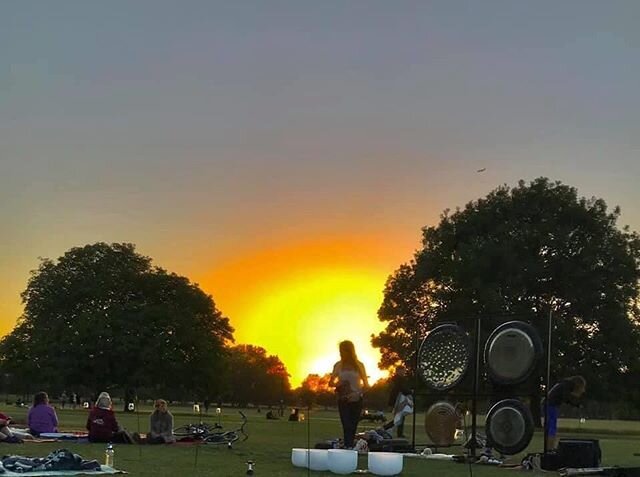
{"x":270,"y":444}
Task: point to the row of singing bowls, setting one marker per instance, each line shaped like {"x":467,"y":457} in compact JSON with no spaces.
{"x":343,"y":461}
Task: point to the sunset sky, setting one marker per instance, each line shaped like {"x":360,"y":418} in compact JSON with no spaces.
{"x":285,"y":154}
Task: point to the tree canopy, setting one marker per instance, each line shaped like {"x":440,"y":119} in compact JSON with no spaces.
{"x":256,"y":377}
{"x":527,"y":249}
{"x":102,"y":316}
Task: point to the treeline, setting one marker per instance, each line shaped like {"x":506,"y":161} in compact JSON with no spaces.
{"x":102,"y":317}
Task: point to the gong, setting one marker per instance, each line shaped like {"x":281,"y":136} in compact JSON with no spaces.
{"x":509,"y":426}
{"x":511,"y":352}
{"x":440,"y":423}
{"x":444,"y":357}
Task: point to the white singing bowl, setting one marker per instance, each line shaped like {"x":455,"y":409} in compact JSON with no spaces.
{"x":318,"y":459}
{"x":300,"y":457}
{"x":385,"y":463}
{"x":342,"y":461}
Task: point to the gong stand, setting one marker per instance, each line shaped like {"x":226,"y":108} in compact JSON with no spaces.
{"x":474,"y":366}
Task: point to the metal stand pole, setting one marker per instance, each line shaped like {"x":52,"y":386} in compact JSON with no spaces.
{"x":548,"y":380}
{"x":476,"y":390}
{"x":415,"y":386}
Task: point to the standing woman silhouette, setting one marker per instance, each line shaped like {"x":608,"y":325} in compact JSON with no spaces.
{"x":350,"y":380}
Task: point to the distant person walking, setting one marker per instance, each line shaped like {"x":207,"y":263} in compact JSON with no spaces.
{"x":63,"y":399}
{"x":350,"y":380}
{"x":569,"y":391}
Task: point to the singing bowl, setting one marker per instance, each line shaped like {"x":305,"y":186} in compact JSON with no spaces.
{"x":385,"y":463}
{"x":342,"y":461}
{"x":509,"y":426}
{"x":440,"y":423}
{"x":319,"y":459}
{"x":300,"y":457}
{"x":444,"y":357}
{"x":511,"y":352}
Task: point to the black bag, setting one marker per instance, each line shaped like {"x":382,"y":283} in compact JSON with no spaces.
{"x":579,"y":453}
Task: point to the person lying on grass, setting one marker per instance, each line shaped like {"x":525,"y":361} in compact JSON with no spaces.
{"x":102,"y":424}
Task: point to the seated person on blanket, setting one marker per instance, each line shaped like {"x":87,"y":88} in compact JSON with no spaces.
{"x":102,"y":424}
{"x":42,"y":417}
{"x":161,"y":425}
{"x":5,"y":433}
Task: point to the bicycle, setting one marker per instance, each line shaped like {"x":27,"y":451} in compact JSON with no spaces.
{"x":228,"y":437}
{"x":196,"y":431}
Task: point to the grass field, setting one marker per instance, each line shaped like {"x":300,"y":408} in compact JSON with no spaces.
{"x":270,"y":443}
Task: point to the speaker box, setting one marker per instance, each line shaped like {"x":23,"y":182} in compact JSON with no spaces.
{"x":579,"y":453}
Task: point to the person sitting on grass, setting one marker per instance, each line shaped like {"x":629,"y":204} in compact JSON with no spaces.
{"x":569,"y":391}
{"x":5,"y":433}
{"x":102,"y":424}
{"x":161,"y":425}
{"x":42,"y":417}
{"x":400,"y":400}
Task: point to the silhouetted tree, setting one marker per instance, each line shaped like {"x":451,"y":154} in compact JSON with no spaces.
{"x":527,"y":249}
{"x":315,"y":389}
{"x":103,"y":316}
{"x":255,"y":377}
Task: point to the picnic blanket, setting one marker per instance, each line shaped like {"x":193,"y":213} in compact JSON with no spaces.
{"x":22,"y":433}
{"x":66,"y":436}
{"x":104,"y":470}
{"x":58,"y":462}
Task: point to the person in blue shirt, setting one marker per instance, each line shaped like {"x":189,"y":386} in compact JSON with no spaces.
{"x":569,"y":391}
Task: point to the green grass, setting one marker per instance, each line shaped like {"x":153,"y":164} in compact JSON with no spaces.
{"x":270,"y":443}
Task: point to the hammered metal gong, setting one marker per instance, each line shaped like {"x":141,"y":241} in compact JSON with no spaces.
{"x":444,"y":357}
{"x":509,"y":426}
{"x":511,"y":352}
{"x":440,"y":423}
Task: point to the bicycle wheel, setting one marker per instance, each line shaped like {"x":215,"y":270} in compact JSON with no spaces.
{"x":184,"y":431}
{"x":209,"y":428}
{"x":223,"y":438}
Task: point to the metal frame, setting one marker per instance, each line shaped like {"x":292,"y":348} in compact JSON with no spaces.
{"x":475,"y":394}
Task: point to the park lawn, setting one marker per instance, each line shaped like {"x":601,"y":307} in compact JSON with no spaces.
{"x":270,"y":443}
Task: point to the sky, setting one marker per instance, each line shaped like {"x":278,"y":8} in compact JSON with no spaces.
{"x":285,"y":154}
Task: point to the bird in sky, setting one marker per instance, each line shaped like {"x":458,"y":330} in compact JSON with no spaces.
{"x":482,"y":170}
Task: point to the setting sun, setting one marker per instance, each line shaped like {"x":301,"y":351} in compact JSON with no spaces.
{"x":299,"y":302}
{"x":303,"y":318}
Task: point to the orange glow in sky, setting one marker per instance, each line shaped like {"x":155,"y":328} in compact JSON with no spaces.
{"x":299,"y":301}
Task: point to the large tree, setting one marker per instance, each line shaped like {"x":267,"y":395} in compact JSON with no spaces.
{"x":529,"y":249}
{"x":103,"y":316}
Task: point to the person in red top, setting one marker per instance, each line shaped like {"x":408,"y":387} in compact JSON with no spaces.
{"x":102,"y":424}
{"x":5,"y":433}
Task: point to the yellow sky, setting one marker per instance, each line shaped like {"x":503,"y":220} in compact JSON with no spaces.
{"x":298,"y":299}
{"x":301,"y":299}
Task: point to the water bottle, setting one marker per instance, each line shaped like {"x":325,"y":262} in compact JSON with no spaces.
{"x":109,"y":455}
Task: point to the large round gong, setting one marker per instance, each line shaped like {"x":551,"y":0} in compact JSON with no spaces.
{"x":509,"y":426}
{"x":511,"y":352}
{"x":444,"y":357}
{"x":440,"y":423}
